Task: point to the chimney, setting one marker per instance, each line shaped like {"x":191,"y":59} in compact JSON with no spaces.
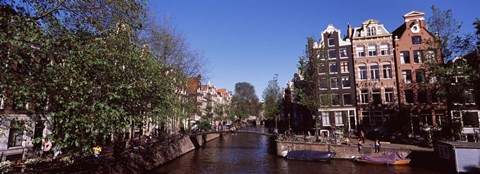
{"x":349,"y":31}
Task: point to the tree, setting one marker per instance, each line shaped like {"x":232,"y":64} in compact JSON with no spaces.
{"x":244,"y":100}
{"x":271,"y":100}
{"x":88,"y":78}
{"x":452,"y":45}
{"x":309,"y":67}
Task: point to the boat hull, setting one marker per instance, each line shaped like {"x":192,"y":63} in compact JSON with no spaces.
{"x":309,"y":155}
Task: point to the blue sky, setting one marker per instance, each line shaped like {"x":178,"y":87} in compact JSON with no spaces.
{"x":252,"y":40}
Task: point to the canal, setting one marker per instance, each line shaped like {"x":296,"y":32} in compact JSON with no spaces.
{"x":252,"y":153}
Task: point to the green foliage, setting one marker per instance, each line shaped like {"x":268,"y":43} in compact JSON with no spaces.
{"x":89,"y":77}
{"x":244,"y":101}
{"x":272,"y":97}
{"x":452,"y":44}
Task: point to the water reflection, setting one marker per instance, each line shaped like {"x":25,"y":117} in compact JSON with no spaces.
{"x":251,"y":153}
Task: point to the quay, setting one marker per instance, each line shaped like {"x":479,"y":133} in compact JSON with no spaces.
{"x":344,"y":151}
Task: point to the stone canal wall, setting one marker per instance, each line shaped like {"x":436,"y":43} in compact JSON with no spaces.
{"x":342,"y":151}
{"x":159,"y":154}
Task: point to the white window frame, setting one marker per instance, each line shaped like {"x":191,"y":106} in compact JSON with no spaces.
{"x":363,"y":96}
{"x":360,"y":49}
{"x":330,"y":57}
{"x":372,"y":50}
{"x":343,"y":50}
{"x":348,"y":78}
{"x":325,"y":118}
{"x":360,"y":72}
{"x":404,"y":77}
{"x":384,"y":51}
{"x":339,"y":118}
{"x":330,"y":69}
{"x":419,"y":56}
{"x":374,"y":73}
{"x":389,"y":96}
{"x":330,"y":45}
{"x":387,"y":72}
{"x":336,"y":81}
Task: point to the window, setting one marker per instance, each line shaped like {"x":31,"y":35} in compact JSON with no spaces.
{"x":430,"y":56}
{"x":416,"y":40}
{"x":320,"y":54}
{"x":15,"y":136}
{"x":360,"y":51}
{"x":333,"y":68}
{"x":373,"y":31}
{"x":420,"y":76}
{"x":387,"y":71}
{"x":334,"y":83}
{"x":368,"y":31}
{"x":409,"y":96}
{"x":338,"y":118}
{"x":404,"y":57}
{"x":335,"y":99}
{"x":374,"y":72}
{"x":325,"y":119}
{"x":345,"y":82}
{"x":364,"y":96}
{"x":372,"y":50}
{"x":384,"y":50}
{"x":323,"y":83}
{"x":377,"y":119}
{"x":343,"y":53}
{"x":322,"y":69}
{"x":362,"y":72}
{"x":469,"y":97}
{"x":417,"y":56}
{"x":377,"y":97}
{"x":347,"y":99}
{"x":332,"y":54}
{"x":407,"y":76}
{"x":344,"y":67}
{"x":389,"y":95}
{"x":422,"y":96}
{"x":331,"y":42}
{"x":366,"y":118}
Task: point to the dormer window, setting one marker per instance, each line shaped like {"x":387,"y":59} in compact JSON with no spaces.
{"x":371,"y":31}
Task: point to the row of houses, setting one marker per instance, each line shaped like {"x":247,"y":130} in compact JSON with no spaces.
{"x":207,"y":98}
{"x":378,"y":79}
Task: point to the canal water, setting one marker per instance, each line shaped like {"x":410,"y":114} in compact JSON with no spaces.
{"x":252,"y":153}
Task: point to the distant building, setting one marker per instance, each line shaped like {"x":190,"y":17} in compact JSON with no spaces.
{"x":414,"y":51}
{"x":375,"y":76}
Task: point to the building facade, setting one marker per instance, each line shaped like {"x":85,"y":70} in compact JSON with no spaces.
{"x":414,"y":52}
{"x":374,"y":72}
{"x":336,"y":80}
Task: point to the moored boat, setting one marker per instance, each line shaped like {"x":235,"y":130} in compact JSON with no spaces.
{"x":392,"y":158}
{"x":310,"y":155}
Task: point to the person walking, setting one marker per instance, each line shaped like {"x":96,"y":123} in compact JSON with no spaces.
{"x":359,"y":145}
{"x":377,"y":146}
{"x":362,"y":136}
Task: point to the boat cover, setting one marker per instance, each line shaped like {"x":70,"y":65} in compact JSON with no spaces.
{"x":310,"y":155}
{"x":388,"y":158}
